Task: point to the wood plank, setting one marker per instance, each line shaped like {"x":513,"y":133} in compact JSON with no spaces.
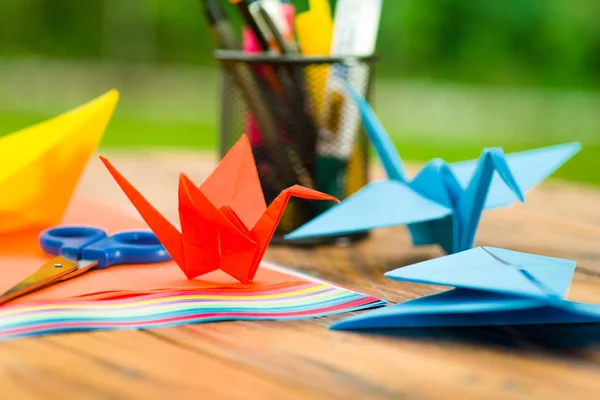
{"x":380,"y":366}
{"x":133,"y":365}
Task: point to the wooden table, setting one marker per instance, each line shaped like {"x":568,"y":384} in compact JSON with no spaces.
{"x":305,"y":360}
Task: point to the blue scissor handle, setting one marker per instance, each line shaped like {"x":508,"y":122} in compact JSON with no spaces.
{"x":136,"y":247}
{"x":68,"y":241}
{"x":83,"y":242}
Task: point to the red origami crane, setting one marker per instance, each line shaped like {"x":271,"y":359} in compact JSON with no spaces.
{"x":225,"y":224}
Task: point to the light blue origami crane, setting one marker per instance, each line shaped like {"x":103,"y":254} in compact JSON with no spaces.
{"x":444,"y":202}
{"x":492,"y":286}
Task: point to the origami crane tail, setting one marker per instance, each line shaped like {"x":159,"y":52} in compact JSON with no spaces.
{"x":384,"y":147}
{"x":473,"y":200}
{"x":166,"y":233}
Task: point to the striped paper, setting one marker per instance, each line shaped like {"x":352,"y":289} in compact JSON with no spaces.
{"x":311,"y":299}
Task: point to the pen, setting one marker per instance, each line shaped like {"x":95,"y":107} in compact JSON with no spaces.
{"x":242,"y":6}
{"x":273,"y":32}
{"x":219,"y":23}
{"x":269,"y":74}
{"x":279,"y":27}
{"x":289,"y":14}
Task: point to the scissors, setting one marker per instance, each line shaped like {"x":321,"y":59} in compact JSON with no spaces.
{"x":82,"y":248}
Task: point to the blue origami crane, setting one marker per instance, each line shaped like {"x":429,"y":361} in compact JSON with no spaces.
{"x":492,"y":286}
{"x":444,"y":202}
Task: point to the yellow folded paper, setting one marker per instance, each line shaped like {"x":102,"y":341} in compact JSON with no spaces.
{"x":41,"y":165}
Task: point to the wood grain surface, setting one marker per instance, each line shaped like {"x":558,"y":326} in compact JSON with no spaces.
{"x":305,"y":360}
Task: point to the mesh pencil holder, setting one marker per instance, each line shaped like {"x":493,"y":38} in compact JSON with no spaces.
{"x":303,"y":127}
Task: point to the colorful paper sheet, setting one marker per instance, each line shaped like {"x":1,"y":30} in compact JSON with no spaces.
{"x":225,"y":223}
{"x":152,"y":295}
{"x":492,"y":286}
{"x":41,"y":165}
{"x":444,"y":202}
{"x":308,"y":300}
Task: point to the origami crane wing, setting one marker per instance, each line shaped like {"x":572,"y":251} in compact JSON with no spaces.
{"x":379,"y":204}
{"x":490,"y":289}
{"x":235,"y":183}
{"x":528,"y":167}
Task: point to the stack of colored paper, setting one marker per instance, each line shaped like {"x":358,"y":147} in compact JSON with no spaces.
{"x":295,"y":301}
{"x":152,"y":295}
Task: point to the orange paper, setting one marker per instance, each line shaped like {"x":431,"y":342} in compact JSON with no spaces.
{"x":225,"y":223}
{"x":20,"y":256}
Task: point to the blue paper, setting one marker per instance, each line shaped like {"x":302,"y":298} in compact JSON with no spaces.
{"x":444,"y":202}
{"x":492,"y":286}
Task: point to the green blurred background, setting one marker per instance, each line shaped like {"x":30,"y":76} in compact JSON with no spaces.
{"x":455,"y":75}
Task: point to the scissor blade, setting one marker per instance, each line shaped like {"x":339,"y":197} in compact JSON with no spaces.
{"x":50,"y":272}
{"x":82,"y":267}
